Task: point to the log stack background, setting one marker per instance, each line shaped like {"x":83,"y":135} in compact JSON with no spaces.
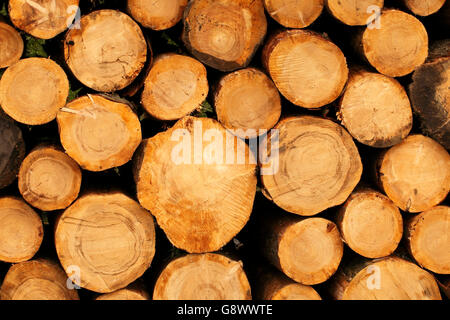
{"x":89,"y":189}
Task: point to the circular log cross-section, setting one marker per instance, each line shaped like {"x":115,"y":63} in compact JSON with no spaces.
{"x":370,"y":224}
{"x":247,"y":102}
{"x":397,"y":46}
{"x":309,"y":70}
{"x":49,"y":179}
{"x":175,"y":86}
{"x":108,"y":52}
{"x":33,"y":90}
{"x":21,"y":230}
{"x":157,"y":15}
{"x":424,"y":7}
{"x":12,"y":150}
{"x":99,"y":133}
{"x":427,"y":236}
{"x":202,"y":277}
{"x":109,"y":237}
{"x":43,"y":19}
{"x":224,"y":34}
{"x":132,"y":292}
{"x":375,"y":109}
{"x":354,"y":13}
{"x":318,"y":165}
{"x":11,"y":46}
{"x":415,"y":174}
{"x":36,"y":280}
{"x":294,"y":13}
{"x":201,"y":193}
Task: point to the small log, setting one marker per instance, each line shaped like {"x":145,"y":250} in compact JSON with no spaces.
{"x":428,"y":241}
{"x":294,"y":14}
{"x":157,"y":15}
{"x":33,"y":90}
{"x":224,"y":34}
{"x":11,"y":46}
{"x":308,"y":69}
{"x":175,"y":86}
{"x":199,"y":181}
{"x":424,"y":7}
{"x":395,"y":44}
{"x":36,"y":280}
{"x":316,"y":165}
{"x":354,"y":13}
{"x":12,"y":150}
{"x":370,"y":224}
{"x":375,"y":109}
{"x":415,"y":174}
{"x":390,"y":278}
{"x":203,"y":277}
{"x":109,"y":237}
{"x":134,"y":291}
{"x":430,"y":95}
{"x":307,"y":250}
{"x":247,"y":100}
{"x":99,"y":132}
{"x":21,"y":230}
{"x":108,"y":52}
{"x":49,"y":179}
{"x":43,"y":19}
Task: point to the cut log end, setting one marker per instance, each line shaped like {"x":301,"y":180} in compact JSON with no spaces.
{"x":428,"y":240}
{"x":175,"y":87}
{"x":370,"y":224}
{"x":109,"y":237}
{"x":354,"y":13}
{"x":108,"y":52}
{"x":398,"y":45}
{"x":11,"y":46}
{"x":224,"y":34}
{"x":415,"y":174}
{"x":375,"y":109}
{"x":49,"y":179}
{"x":157,"y":15}
{"x":318,"y":166}
{"x":309,"y":70}
{"x":424,"y":7}
{"x":99,"y":133}
{"x":33,"y":90}
{"x":21,"y":230}
{"x":294,"y":14}
{"x":203,"y":277}
{"x":132,"y":292}
{"x":247,"y":100}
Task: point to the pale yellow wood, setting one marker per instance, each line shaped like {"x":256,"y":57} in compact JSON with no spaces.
{"x":157,"y":14}
{"x":294,"y":13}
{"x":132,"y":292}
{"x":424,"y":7}
{"x":354,"y":12}
{"x":11,"y":46}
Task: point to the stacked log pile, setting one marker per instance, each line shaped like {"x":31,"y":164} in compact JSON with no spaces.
{"x":224,"y":149}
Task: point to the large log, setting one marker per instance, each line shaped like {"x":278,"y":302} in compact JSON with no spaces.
{"x":430,"y":96}
{"x":175,"y":86}
{"x":157,"y":15}
{"x":428,"y":241}
{"x":224,"y":34}
{"x":307,"y":68}
{"x":33,"y":90}
{"x":36,"y":280}
{"x":109,"y":237}
{"x":43,"y":19}
{"x":424,"y":7}
{"x":415,"y":174}
{"x":375,"y":109}
{"x":49,"y":179}
{"x":315,"y":165}
{"x":354,"y":13}
{"x":11,"y":46}
{"x":199,"y":181}
{"x":394,"y":44}
{"x":370,"y":224}
{"x":293,"y":13}
{"x":108,"y":52}
{"x":202,"y":277}
{"x":21,"y":230}
{"x":99,"y":132}
{"x":247,"y":102}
